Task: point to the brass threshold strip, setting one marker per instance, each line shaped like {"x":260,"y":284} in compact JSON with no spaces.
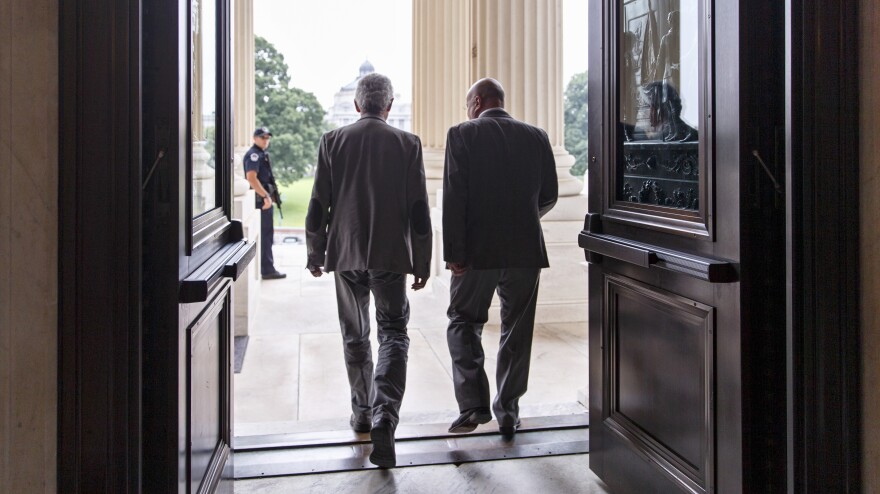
{"x":416,"y":445}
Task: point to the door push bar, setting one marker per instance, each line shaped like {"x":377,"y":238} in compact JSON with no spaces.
{"x":228,"y":262}
{"x":597,"y":245}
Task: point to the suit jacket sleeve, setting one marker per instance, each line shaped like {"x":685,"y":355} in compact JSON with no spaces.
{"x":421,"y":235}
{"x":318,"y":216}
{"x":549,"y":185}
{"x":455,"y":199}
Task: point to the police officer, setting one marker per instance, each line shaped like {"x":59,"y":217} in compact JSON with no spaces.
{"x":258,"y":172}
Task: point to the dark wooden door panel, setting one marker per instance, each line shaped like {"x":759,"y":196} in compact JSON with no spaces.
{"x":207,"y":378}
{"x":192,"y":248}
{"x":641,"y":475}
{"x":660,"y":369}
{"x":205,"y":393}
{"x":682,"y":240}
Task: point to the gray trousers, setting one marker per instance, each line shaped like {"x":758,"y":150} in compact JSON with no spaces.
{"x":267,"y":237}
{"x":375,"y":394}
{"x":470,"y":296}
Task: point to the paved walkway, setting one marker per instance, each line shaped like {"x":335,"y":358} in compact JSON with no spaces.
{"x":293,"y":378}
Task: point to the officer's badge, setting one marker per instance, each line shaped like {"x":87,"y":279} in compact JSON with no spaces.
{"x":255,"y":156}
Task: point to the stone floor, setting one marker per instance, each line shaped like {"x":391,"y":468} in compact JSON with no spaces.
{"x":547,"y":475}
{"x":293,"y":380}
{"x":293,"y":377}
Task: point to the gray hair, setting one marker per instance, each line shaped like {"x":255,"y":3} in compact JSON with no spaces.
{"x":374,"y":93}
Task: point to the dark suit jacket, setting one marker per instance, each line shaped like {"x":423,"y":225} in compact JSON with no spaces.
{"x":369,"y":206}
{"x":499,"y":179}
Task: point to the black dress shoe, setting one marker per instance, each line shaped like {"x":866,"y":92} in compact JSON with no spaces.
{"x":509,"y":431}
{"x":470,"y":419}
{"x":274,"y":276}
{"x":359,"y":427}
{"x":382,"y":436}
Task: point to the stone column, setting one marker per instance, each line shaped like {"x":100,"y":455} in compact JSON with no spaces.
{"x":441,"y":77}
{"x":247,"y":288}
{"x":203,"y":175}
{"x":244,"y":95}
{"x":518,"y":42}
{"x":196,"y":38}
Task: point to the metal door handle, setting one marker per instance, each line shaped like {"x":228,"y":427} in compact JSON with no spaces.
{"x":239,"y":261}
{"x":230,"y":261}
{"x":597,"y":244}
{"x":607,"y":245}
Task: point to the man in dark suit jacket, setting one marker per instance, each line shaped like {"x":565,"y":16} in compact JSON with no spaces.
{"x":499,"y":180}
{"x":368,"y":221}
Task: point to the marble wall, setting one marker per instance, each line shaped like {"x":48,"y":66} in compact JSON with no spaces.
{"x":869,"y":210}
{"x":28,"y":244}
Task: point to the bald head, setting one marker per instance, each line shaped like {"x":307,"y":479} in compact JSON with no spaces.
{"x":484,"y":94}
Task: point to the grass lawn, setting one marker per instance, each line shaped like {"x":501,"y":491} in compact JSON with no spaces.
{"x":295,"y":198}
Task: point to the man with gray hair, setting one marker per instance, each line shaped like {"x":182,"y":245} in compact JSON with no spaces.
{"x":369,"y":223}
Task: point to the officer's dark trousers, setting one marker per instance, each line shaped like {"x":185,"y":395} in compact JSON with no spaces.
{"x":267,"y":236}
{"x":470,"y":296}
{"x":375,"y":395}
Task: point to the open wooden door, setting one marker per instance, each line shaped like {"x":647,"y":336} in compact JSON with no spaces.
{"x":192,"y":249}
{"x":685,"y":242}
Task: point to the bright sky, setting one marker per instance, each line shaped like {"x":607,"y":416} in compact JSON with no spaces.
{"x":324,"y":42}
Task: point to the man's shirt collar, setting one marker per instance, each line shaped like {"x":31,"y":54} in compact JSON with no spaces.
{"x":371,"y":115}
{"x":495,"y":113}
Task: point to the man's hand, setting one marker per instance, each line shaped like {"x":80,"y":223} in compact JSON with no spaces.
{"x":419,"y":283}
{"x":316,"y":271}
{"x":267,"y":202}
{"x":457,"y":268}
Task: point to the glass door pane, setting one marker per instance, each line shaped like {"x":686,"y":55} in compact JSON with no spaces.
{"x":659,"y":166}
{"x":204,"y":106}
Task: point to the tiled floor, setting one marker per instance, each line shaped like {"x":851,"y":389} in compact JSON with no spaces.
{"x":293,"y":378}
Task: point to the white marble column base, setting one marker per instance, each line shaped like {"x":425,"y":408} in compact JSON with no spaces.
{"x":569,"y":185}
{"x":434,"y":159}
{"x":562,"y":296}
{"x":246,"y":291}
{"x":239,"y":184}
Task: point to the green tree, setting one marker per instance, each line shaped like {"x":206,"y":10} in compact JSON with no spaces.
{"x":575,"y":116}
{"x":294,"y":116}
{"x":270,"y":69}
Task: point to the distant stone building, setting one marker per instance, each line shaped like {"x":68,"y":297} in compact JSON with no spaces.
{"x":343,"y":113}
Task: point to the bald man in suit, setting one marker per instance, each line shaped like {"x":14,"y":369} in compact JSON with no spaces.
{"x":499,"y":179}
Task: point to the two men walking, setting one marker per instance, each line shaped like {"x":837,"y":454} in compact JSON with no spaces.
{"x":368,"y":222}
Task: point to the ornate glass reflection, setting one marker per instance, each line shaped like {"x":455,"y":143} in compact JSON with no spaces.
{"x":658,"y":105}
{"x":204,"y":105}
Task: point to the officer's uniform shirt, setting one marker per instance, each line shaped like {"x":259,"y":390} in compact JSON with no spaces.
{"x":258,"y":160}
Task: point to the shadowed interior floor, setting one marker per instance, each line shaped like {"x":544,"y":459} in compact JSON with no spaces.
{"x":546,"y":475}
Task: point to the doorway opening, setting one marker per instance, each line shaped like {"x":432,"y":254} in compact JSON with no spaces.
{"x":290,"y":386}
